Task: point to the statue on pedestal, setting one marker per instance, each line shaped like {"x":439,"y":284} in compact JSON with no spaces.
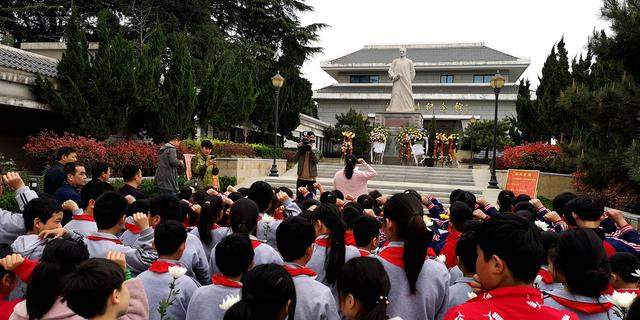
{"x":402,"y":74}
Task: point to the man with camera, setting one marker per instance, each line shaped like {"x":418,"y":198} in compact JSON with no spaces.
{"x":204,"y":167}
{"x":307,"y":157}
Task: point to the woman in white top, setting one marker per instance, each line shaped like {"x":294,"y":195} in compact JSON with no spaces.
{"x":352,"y":180}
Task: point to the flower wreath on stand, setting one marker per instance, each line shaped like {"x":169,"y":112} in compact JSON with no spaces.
{"x":406,"y":138}
{"x":347,"y":143}
{"x":378,"y":137}
{"x":453,"y":146}
{"x":439,"y":145}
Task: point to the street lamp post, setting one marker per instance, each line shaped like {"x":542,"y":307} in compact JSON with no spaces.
{"x":497,"y":82}
{"x":471,"y":121}
{"x":277,"y":81}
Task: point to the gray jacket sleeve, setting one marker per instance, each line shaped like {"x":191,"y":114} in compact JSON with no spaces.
{"x":291,"y":208}
{"x":140,"y":256}
{"x":173,"y":157}
{"x":24,"y":195}
{"x":12,"y":224}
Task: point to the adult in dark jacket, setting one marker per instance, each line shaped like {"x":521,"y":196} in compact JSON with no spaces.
{"x":76,"y":176}
{"x":54,"y":176}
{"x":167,"y":171}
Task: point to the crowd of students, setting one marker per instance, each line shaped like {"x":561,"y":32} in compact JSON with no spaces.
{"x":265,"y":253}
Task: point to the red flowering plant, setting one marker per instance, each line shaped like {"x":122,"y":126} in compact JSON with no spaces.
{"x":531,"y":156}
{"x":43,"y":147}
{"x":130,"y":152}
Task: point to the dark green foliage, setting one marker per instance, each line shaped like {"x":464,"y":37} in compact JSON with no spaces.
{"x":481,"y":132}
{"x":528,"y":120}
{"x":358,"y":124}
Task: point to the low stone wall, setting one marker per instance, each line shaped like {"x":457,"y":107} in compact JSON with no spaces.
{"x":549,"y":184}
{"x":244,"y":168}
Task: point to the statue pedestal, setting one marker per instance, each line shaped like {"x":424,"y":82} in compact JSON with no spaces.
{"x":394,"y":121}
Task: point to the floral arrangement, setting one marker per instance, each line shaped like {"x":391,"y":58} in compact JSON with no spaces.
{"x":348,"y":134}
{"x":379,"y":134}
{"x":347,"y":144}
{"x":622,"y":302}
{"x":412,"y":134}
{"x":175,"y":272}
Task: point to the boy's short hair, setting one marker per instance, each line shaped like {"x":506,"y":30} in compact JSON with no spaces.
{"x":129,"y":172}
{"x":92,"y":190}
{"x":338,"y":194}
{"x":328,"y":197}
{"x":293,"y":237}
{"x":261,"y":193}
{"x":549,"y":241}
{"x":561,"y":200}
{"x":466,"y":250}
{"x":234,"y":254}
{"x":244,"y":191}
{"x":206,"y":144}
{"x":42,"y":208}
{"x":141,"y":206}
{"x":87,"y":289}
{"x":521,"y":198}
{"x":110,"y":207}
{"x":70,"y":168}
{"x":460,"y":213}
{"x":167,"y":207}
{"x":587,"y":209}
{"x":168,"y":236}
{"x":624,"y":264}
{"x":185,"y":193}
{"x":516,"y":241}
{"x":463,"y":196}
{"x":365,"y":229}
{"x":63,"y":152}
{"x":349,"y":215}
{"x":98,"y":169}
{"x":525,"y":206}
{"x":526,"y":214}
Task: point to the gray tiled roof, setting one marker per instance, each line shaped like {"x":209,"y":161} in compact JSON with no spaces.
{"x":26,"y":61}
{"x":425,"y":54}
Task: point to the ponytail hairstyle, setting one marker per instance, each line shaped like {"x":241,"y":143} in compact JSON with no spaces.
{"x":266,"y":290}
{"x":367,"y":281}
{"x":209,"y":215}
{"x":349,"y":164}
{"x":405,"y":210}
{"x":505,"y":201}
{"x":244,"y":216}
{"x":59,"y":258}
{"x":581,"y":259}
{"x":329,"y":215}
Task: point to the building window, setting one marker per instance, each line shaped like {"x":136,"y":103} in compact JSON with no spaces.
{"x":482,"y":78}
{"x":364,"y":79}
{"x":446,"y":78}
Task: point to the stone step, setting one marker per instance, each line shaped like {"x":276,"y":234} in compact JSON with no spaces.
{"x":435,"y":174}
{"x":403,"y":176}
{"x":399,"y":168}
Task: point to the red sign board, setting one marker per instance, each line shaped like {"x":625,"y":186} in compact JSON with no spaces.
{"x":523,"y":182}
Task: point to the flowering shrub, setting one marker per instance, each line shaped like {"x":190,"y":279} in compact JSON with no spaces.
{"x":126,"y":152}
{"x":531,"y":156}
{"x":43,"y":147}
{"x":230,"y":149}
{"x":614,"y":195}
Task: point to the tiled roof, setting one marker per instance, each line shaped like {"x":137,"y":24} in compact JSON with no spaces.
{"x":441,"y":53}
{"x":26,"y":61}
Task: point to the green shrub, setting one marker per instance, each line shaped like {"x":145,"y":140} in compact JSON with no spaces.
{"x":227,"y":181}
{"x":8,"y":201}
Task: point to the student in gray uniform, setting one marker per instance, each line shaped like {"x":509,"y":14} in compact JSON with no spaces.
{"x":262,"y":194}
{"x":329,"y":253}
{"x":420,"y":287}
{"x":109,"y":213}
{"x":210,"y":213}
{"x":295,"y":242}
{"x":169,"y":241}
{"x":12,"y":224}
{"x":366,"y":232}
{"x":581,"y":262}
{"x":268,"y":293}
{"x":83,"y":222}
{"x":244,"y":219}
{"x":364,"y":290}
{"x":460,"y":290}
{"x":39,"y":215}
{"x":234,"y":256}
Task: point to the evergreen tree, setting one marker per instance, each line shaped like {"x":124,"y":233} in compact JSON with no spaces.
{"x":150,"y":70}
{"x":358,"y":124}
{"x":528,"y":121}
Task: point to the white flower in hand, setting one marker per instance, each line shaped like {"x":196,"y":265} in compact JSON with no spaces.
{"x":636,"y":273}
{"x":471,"y":295}
{"x":267,"y":218}
{"x":442,"y":258}
{"x":542,"y":225}
{"x":623,"y":299}
{"x":177,"y":271}
{"x":537,"y":281}
{"x":229,"y":301}
{"x":427,"y":221}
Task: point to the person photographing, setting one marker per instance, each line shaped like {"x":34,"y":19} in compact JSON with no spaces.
{"x":307,"y":158}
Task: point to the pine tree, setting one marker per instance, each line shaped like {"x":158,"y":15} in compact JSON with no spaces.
{"x":150,"y":70}
{"x":528,"y":121}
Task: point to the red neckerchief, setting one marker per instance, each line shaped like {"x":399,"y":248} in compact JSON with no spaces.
{"x":431,"y":253}
{"x":636,"y":291}
{"x":160,"y":266}
{"x":255,"y":243}
{"x":83,"y":217}
{"x":546,"y":276}
{"x":132,"y":228}
{"x":364,"y":253}
{"x":323,"y":241}
{"x":215,"y":226}
{"x":393,"y":255}
{"x":294,"y":271}
{"x":221,"y":280}
{"x":608,"y":248}
{"x":349,"y":240}
{"x":585,"y":307}
{"x":98,"y":238}
{"x":609,"y":290}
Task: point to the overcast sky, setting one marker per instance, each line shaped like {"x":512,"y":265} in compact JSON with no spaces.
{"x":524,"y":28}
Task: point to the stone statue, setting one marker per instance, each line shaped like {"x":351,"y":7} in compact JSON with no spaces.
{"x":402,"y":74}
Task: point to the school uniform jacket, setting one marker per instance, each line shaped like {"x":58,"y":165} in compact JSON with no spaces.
{"x":263,"y":254}
{"x":318,"y":258}
{"x":139,"y":256}
{"x":585,"y":307}
{"x":546,"y":283}
{"x":459,"y":292}
{"x":207,"y":248}
{"x":156,"y":283}
{"x":83,"y":224}
{"x":205,"y":302}
{"x":12,"y":224}
{"x":509,"y":303}
{"x":432,"y":287}
{"x":454,"y":274}
{"x":314,"y":300}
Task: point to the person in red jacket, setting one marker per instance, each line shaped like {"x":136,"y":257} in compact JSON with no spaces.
{"x":510,"y":254}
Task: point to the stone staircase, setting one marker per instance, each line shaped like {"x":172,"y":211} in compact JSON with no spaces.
{"x":392,"y":179}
